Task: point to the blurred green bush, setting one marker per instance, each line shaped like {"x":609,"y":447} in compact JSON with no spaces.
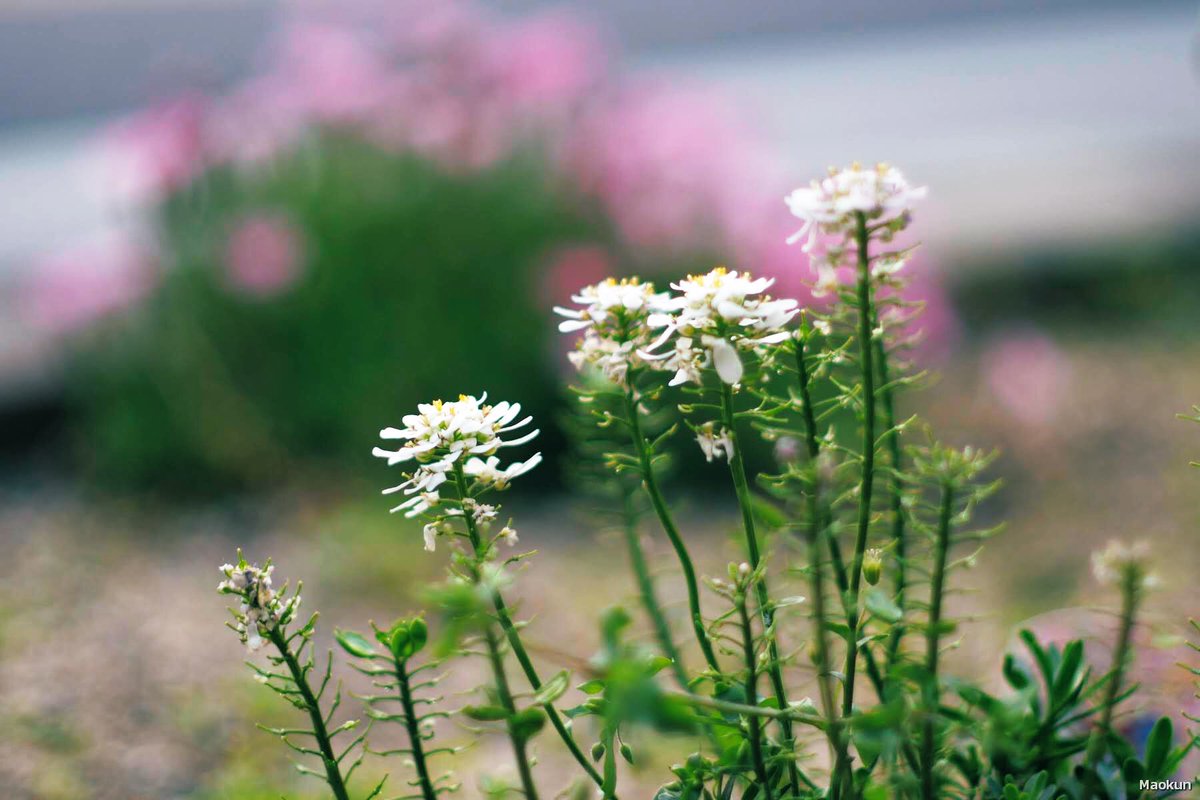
{"x":407,"y":273}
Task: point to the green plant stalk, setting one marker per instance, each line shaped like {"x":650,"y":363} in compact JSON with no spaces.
{"x":520,"y":745}
{"x":933,"y":633}
{"x":333,"y":773}
{"x":822,"y":519}
{"x":866,"y":486}
{"x":414,"y":731}
{"x":518,"y":647}
{"x":730,"y":707}
{"x":896,"y":494}
{"x":641,"y":571}
{"x":737,"y":469}
{"x":668,"y":525}
{"x":1130,"y":595}
{"x":816,"y":580}
{"x":751,"y":689}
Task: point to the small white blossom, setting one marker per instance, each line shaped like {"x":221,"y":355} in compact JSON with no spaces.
{"x":830,"y":205}
{"x":725,"y":311}
{"x":1118,"y":560}
{"x":508,"y":535}
{"x":606,"y":304}
{"x":613,"y":315}
{"x":430,"y":532}
{"x":490,"y":473}
{"x":443,"y":435}
{"x":714,"y":443}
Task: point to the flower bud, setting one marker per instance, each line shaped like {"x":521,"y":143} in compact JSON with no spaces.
{"x":872,"y":566}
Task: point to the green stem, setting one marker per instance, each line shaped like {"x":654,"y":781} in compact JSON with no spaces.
{"x":866,"y":486}
{"x":896,"y":493}
{"x":751,"y":689}
{"x":668,"y":524}
{"x":737,"y":469}
{"x":504,"y":617}
{"x":641,"y":571}
{"x":821,"y":526}
{"x":414,"y":731}
{"x":504,"y":694}
{"x":1130,"y":593}
{"x":742,"y":709}
{"x":933,"y":643}
{"x":816,"y":580}
{"x":333,"y":774}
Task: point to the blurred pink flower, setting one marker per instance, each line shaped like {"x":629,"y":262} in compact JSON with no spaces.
{"x":667,"y":165}
{"x":162,"y":148}
{"x":69,"y":291}
{"x":937,"y":329}
{"x":1028,"y":375}
{"x":570,"y":269}
{"x":264,"y":255}
{"x":547,"y":61}
{"x":327,"y":73}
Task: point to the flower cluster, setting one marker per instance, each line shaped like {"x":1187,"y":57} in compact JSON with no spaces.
{"x":261,"y":607}
{"x":830,"y":209}
{"x":713,"y":316}
{"x":1119,"y":562}
{"x":482,"y":514}
{"x":830,"y":205}
{"x":461,"y":435}
{"x":614,"y":316}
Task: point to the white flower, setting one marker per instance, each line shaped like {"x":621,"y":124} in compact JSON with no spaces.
{"x":607,"y":303}
{"x":685,"y":360}
{"x":611,"y":357}
{"x":508,"y":535}
{"x":714,"y":443}
{"x":430,"y":532}
{"x":442,"y":436}
{"x":489,"y":472}
{"x":830,"y":205}
{"x":613,"y":316}
{"x":1117,"y":561}
{"x":726,"y":311}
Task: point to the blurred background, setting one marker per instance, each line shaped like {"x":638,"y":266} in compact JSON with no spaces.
{"x":241,"y":236}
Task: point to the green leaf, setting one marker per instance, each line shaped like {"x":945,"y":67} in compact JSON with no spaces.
{"x":485,"y":713}
{"x":355,"y":644}
{"x":594,"y":686}
{"x":656,"y":664}
{"x":552,"y":689}
{"x":1068,"y":670}
{"x":1133,"y":771}
{"x":1158,"y":746}
{"x":526,"y":723}
{"x":882,"y":606}
{"x":1015,"y":674}
{"x":408,"y":637}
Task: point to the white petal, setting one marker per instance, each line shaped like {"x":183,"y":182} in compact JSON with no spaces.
{"x":725,"y":359}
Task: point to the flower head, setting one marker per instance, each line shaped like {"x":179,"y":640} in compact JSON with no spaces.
{"x":1119,"y":564}
{"x":614,"y":316}
{"x":725,"y":311}
{"x":461,"y":434}
{"x":830,"y":205}
{"x":261,"y":607}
